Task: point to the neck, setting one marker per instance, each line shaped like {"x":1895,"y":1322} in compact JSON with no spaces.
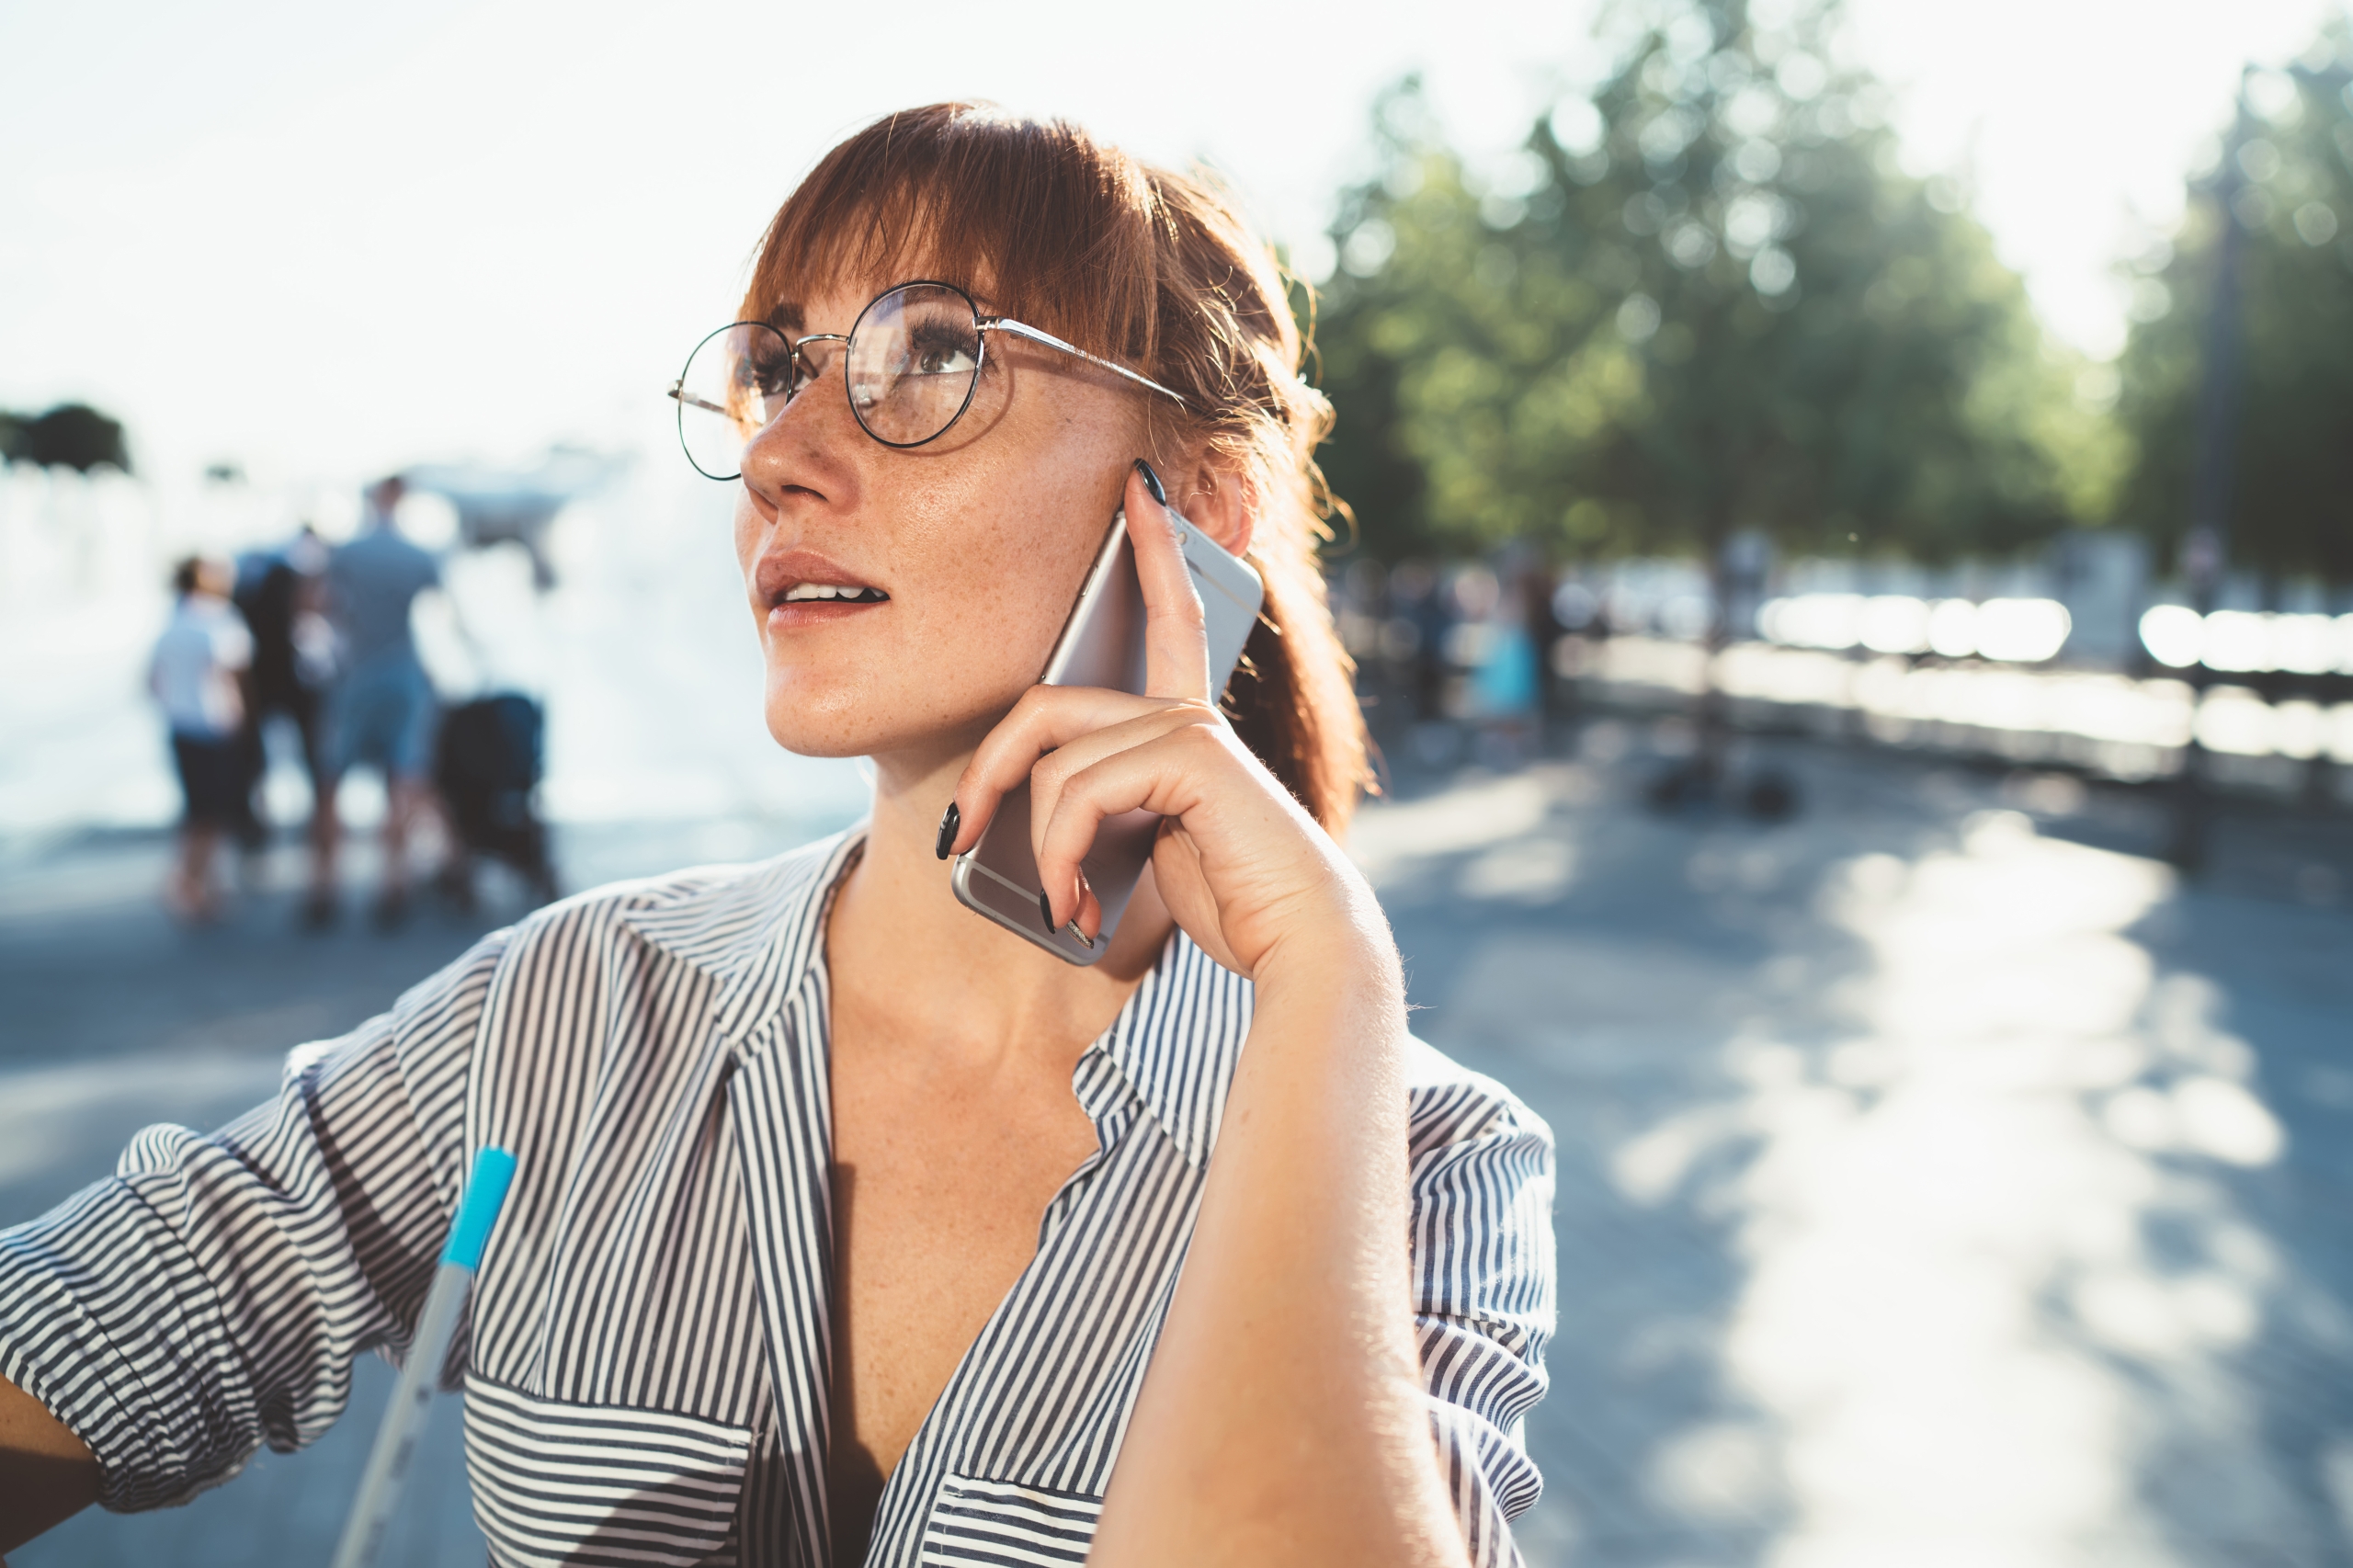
{"x":932,"y":975}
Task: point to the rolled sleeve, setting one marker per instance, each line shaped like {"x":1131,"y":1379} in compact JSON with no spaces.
{"x":117,"y":1332}
{"x":211,"y":1295}
{"x":1483,"y":1300}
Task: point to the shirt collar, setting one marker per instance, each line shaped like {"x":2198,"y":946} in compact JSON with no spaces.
{"x":756,"y":929}
{"x":760,"y":931}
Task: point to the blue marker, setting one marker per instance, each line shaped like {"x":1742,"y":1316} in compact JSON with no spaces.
{"x":380,"y":1489}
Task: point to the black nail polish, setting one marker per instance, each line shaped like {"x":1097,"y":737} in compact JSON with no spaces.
{"x":949,"y":821}
{"x":1046,"y":913}
{"x":1152,"y":482}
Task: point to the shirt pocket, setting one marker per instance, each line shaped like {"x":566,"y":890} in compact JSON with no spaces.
{"x":583,"y":1484}
{"x":1005,"y":1522}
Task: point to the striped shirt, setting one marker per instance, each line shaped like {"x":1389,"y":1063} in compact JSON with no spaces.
{"x":646,"y":1366}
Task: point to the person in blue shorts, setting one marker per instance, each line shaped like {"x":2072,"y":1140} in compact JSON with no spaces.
{"x":381,"y":712}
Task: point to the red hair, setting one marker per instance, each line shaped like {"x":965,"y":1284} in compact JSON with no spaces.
{"x":1153,"y":269}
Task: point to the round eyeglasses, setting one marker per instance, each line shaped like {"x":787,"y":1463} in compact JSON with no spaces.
{"x":910,"y":364}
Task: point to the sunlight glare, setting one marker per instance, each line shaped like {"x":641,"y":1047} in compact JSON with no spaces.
{"x":1956,"y":1308}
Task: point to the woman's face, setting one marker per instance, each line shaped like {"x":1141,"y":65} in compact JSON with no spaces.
{"x":977,"y":543}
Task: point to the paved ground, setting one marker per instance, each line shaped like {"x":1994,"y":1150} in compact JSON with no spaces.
{"x":1936,"y":1188}
{"x":1939,"y":1183}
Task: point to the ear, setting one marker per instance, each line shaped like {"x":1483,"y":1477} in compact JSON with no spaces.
{"x":1221,"y":502}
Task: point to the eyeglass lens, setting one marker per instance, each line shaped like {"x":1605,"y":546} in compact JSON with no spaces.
{"x":911,"y":364}
{"x":913,"y":358}
{"x":737,"y":380}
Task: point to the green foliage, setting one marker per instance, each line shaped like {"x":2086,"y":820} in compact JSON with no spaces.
{"x":1709,"y":301}
{"x":2292,"y":498}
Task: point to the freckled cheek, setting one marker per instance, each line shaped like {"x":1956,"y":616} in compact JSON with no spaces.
{"x":986,"y":608}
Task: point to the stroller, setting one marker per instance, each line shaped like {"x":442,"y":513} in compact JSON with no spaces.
{"x":487,"y":765}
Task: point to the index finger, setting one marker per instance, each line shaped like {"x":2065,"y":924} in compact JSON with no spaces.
{"x":1175,"y":635}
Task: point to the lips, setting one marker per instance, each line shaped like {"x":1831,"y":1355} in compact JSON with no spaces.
{"x":801,"y":587}
{"x":816,"y":604}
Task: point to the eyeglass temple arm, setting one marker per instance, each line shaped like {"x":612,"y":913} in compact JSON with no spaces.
{"x":1022,"y":329}
{"x":679,"y":391}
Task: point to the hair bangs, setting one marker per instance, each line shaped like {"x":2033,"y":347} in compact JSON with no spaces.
{"x":1032,"y":218}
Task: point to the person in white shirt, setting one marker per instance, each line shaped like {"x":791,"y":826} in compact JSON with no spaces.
{"x":194,"y":675}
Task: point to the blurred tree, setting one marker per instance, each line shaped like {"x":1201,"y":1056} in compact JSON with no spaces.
{"x":1704,"y":301}
{"x":2289,"y":512}
{"x":72,"y":434}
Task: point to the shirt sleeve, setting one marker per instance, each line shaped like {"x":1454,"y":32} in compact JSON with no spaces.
{"x":1481,"y":1205}
{"x":211,"y":1295}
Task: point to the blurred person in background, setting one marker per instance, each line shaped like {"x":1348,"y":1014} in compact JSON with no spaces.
{"x":1540,"y":589}
{"x":381,"y":712}
{"x":1505,"y":697}
{"x":195,"y":675}
{"x":250,"y":828}
{"x":849,"y":1226}
{"x":1416,"y":598}
{"x":279,"y":593}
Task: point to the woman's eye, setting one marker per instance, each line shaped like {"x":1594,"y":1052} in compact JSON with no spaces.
{"x":771,"y":376}
{"x":940,"y":355}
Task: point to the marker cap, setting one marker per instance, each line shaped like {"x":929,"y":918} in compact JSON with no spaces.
{"x":478,"y":1210}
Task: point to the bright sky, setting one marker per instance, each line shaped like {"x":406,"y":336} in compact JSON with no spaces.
{"x":325,"y":240}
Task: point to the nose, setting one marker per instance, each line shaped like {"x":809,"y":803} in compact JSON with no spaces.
{"x":802,"y":444}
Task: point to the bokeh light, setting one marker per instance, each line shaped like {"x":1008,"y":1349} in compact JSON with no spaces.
{"x":2007,"y":630}
{"x":2248,"y":642}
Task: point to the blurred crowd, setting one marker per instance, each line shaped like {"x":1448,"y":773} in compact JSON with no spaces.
{"x":316,"y":643}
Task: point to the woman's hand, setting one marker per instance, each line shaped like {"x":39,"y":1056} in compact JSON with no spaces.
{"x":1240,"y":864}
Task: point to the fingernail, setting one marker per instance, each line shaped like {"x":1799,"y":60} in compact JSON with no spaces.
{"x":949,"y":821}
{"x":1046,"y":913}
{"x":1073,"y":930}
{"x":1152,"y":482}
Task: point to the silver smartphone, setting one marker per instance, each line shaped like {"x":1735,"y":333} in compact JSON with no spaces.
{"x":1102,"y":644}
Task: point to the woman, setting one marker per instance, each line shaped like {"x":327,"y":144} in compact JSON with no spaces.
{"x":848,"y":1226}
{"x":193,"y":675}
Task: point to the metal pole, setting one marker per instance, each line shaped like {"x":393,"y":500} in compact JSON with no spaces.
{"x":2206,"y":549}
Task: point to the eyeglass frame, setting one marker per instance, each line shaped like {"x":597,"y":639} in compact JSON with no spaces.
{"x":983,"y":325}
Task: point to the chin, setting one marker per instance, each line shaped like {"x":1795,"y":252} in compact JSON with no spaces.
{"x":801,"y":740}
{"x":846,"y":717}
{"x":812,"y":719}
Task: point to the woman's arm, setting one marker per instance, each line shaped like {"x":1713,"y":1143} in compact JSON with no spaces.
{"x":1283,"y":1418}
{"x":46,"y":1472}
